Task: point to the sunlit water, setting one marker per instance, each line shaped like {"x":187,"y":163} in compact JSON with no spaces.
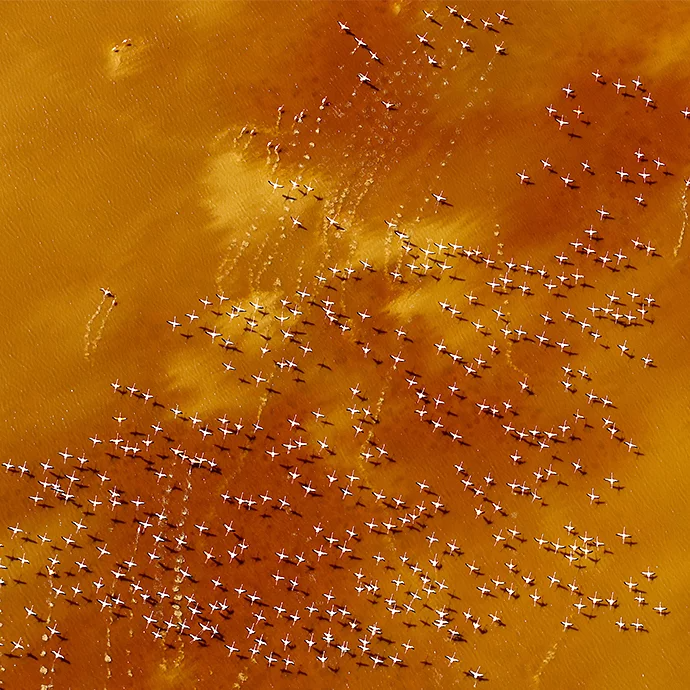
{"x":144,"y":170}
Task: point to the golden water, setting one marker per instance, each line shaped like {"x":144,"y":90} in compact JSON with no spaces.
{"x":144,"y":170}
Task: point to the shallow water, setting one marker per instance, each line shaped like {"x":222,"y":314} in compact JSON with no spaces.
{"x":143,"y":170}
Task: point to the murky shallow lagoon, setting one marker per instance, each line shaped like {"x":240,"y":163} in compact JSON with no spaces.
{"x":144,"y":170}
